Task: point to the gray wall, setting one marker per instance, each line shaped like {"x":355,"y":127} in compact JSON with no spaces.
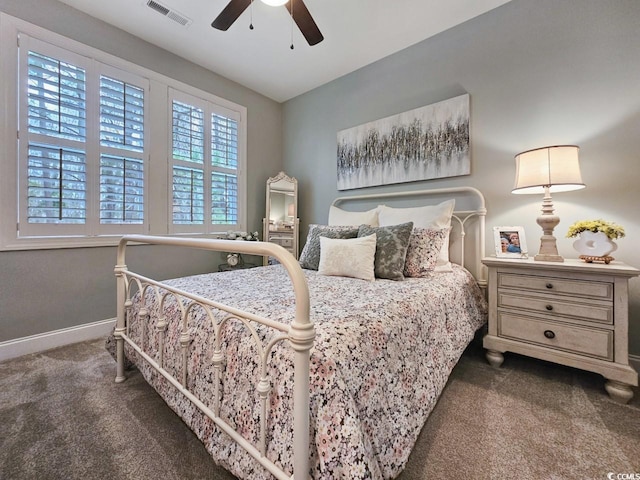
{"x":539,"y":73}
{"x":46,"y":290}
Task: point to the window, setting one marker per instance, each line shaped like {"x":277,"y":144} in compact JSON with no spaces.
{"x":122,"y":187}
{"x":205,"y":168}
{"x":54,"y":179}
{"x":86,"y":166}
{"x":224,"y":178}
{"x":81,"y":151}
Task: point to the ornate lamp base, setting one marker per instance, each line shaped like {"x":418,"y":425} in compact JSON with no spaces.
{"x":548,"y":249}
{"x":548,"y":258}
{"x":548,"y":221}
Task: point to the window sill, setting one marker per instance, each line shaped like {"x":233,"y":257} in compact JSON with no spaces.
{"x":55,"y":243}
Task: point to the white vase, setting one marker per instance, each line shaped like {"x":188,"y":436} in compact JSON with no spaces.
{"x":594,"y":244}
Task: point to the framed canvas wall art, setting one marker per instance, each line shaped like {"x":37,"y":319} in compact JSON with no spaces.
{"x":421,"y":144}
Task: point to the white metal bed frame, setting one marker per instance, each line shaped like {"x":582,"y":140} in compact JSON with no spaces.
{"x":300,"y":334}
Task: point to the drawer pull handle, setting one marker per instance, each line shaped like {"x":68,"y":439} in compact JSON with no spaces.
{"x":549,"y":285}
{"x":549,"y":334}
{"x":549,"y":307}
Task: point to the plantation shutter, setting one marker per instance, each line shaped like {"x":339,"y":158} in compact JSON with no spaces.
{"x":56,"y":98}
{"x":57,"y":185}
{"x":80,"y":160}
{"x":53,"y":168}
{"x":205,"y":158}
{"x":188,"y":131}
{"x":224,"y":199}
{"x":122,"y":172}
{"x":188,"y":196}
{"x":121,"y":190}
{"x":121,"y":114}
{"x":224,"y":162}
{"x":82,"y":168}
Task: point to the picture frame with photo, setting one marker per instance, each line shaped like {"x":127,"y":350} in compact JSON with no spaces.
{"x":510,"y":242}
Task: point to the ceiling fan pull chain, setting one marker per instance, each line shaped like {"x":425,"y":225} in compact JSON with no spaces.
{"x":251,"y":15}
{"x":292,"y":22}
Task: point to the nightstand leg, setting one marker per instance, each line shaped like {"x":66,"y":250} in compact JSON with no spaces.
{"x":494,"y":358}
{"x":619,"y":392}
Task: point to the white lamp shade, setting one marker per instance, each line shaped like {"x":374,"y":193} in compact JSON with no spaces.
{"x":555,"y":167}
{"x":275,"y":3}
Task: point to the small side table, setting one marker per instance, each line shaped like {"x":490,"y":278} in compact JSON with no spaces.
{"x":572,"y":313}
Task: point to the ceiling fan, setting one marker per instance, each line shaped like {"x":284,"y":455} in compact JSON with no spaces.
{"x":297,"y":9}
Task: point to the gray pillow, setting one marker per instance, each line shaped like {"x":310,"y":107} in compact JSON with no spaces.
{"x":310,"y":256}
{"x":391,"y":248}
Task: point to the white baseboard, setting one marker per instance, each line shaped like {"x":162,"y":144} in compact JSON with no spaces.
{"x":634,"y":360}
{"x":57,"y":338}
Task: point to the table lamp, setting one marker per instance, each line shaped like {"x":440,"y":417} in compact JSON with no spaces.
{"x":546,"y":170}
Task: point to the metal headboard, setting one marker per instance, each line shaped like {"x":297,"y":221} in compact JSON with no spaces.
{"x":467,"y":238}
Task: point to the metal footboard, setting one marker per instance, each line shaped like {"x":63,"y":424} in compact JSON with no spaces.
{"x":300,"y":335}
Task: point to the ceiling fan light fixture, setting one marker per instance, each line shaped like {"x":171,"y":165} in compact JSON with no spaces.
{"x":275,"y":3}
{"x":302,"y":17}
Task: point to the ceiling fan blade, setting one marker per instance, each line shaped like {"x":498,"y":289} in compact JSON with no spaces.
{"x":305,"y":21}
{"x":230,"y":14}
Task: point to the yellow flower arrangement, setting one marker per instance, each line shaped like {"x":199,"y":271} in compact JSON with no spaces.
{"x":610,"y":229}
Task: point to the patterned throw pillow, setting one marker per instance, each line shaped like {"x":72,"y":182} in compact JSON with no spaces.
{"x":423,"y":251}
{"x":310,"y":256}
{"x":348,"y":257}
{"x":391,"y":248}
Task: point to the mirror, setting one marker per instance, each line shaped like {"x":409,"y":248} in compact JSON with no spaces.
{"x":281,"y":219}
{"x":282,"y":208}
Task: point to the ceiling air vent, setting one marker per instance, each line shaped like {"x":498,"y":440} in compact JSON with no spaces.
{"x":169,"y":13}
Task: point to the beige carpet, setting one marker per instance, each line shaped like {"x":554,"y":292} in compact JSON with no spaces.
{"x":62,"y":417}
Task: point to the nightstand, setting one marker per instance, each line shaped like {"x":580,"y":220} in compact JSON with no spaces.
{"x":572,"y":313}
{"x":225,"y":267}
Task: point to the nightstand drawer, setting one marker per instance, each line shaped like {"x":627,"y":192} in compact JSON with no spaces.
{"x":581,"y":340}
{"x":286,"y":242}
{"x":551,"y":305}
{"x":578,"y":288}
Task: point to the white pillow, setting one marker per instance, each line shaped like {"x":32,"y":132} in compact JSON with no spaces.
{"x":350,"y":257}
{"x":337,"y":216}
{"x":429,"y":216}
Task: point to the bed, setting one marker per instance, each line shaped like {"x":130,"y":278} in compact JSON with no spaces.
{"x":288,"y":372}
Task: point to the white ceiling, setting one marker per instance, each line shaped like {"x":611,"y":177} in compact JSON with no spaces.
{"x":356,"y":33}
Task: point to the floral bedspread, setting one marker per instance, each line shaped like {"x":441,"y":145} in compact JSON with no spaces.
{"x":382,"y":356}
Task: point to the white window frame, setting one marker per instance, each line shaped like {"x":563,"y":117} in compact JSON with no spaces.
{"x":92,"y":146}
{"x":157,"y":164}
{"x":141,"y":82}
{"x":25,"y":137}
{"x":209,"y":108}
